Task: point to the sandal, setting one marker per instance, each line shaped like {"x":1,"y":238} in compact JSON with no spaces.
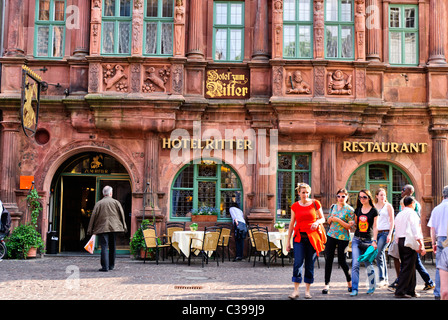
{"x":308,"y":296}
{"x":293,"y":296}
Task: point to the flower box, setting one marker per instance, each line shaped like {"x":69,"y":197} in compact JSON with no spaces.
{"x":204,"y":218}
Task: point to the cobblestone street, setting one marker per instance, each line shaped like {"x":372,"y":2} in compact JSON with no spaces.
{"x":77,"y":278}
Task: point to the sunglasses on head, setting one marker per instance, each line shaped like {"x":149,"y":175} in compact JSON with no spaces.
{"x":363,"y":197}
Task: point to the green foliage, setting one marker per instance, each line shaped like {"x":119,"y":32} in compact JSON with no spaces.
{"x":138,"y":241}
{"x":26,"y":235}
{"x":204,"y":211}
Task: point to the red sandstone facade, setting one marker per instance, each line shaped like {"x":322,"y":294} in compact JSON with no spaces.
{"x":124,"y":105}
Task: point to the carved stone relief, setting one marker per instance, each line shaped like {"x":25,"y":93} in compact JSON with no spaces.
{"x":339,"y":83}
{"x":115,"y":76}
{"x":156,"y":79}
{"x":178,"y":71}
{"x":319,"y":81}
{"x":94,"y":74}
{"x":295,"y":84}
{"x":277,"y":80}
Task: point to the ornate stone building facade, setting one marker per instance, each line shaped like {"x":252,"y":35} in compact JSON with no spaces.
{"x":335,"y":93}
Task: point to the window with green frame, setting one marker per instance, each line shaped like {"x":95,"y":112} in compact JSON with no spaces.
{"x":293,"y":168}
{"x":403,"y":34}
{"x":228,"y":31}
{"x":375,"y":175}
{"x":339,"y":29}
{"x":116,"y":27}
{"x":49,"y":29}
{"x":159,"y":21}
{"x":207,"y":183}
{"x":297,"y":29}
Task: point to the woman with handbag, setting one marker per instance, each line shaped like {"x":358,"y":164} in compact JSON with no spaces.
{"x":309,"y":238}
{"x":409,"y":237}
{"x":340,"y":219}
{"x":365,"y":236}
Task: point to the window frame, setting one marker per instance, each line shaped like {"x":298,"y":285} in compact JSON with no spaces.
{"x":368,"y":182}
{"x":299,"y":23}
{"x":228,"y":26}
{"x":292,"y":191}
{"x":403,"y":30}
{"x":218,"y":190}
{"x":159,"y":20}
{"x":50,"y":23}
{"x":338,"y":23}
{"x":116,"y":19}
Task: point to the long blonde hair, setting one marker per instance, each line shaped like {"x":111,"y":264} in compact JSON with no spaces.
{"x":377,"y":193}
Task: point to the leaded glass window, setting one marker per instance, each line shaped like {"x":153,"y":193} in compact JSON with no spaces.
{"x":293,"y":168}
{"x":297,"y":29}
{"x":208,"y":183}
{"x":159,"y":22}
{"x":403,"y":34}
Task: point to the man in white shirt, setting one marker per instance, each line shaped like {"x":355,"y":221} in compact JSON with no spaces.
{"x":407,"y":280}
{"x":438,"y":224}
{"x":240,"y":229}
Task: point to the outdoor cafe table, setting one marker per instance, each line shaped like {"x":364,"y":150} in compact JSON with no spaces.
{"x":181,"y":241}
{"x":279,"y":239}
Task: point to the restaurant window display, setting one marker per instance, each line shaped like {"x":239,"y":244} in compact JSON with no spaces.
{"x":293,"y":168}
{"x":205,"y":184}
{"x":375,"y":175}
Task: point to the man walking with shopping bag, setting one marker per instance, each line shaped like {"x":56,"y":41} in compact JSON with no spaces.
{"x":106,"y":221}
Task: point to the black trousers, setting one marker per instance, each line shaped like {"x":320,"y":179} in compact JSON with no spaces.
{"x":107,"y":241}
{"x":407,"y":280}
{"x":330,"y":248}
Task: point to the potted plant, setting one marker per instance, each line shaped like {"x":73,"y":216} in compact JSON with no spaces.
{"x":137,"y":243}
{"x":194,"y":226}
{"x":205,"y":214}
{"x":25,"y":240}
{"x":280,"y":226}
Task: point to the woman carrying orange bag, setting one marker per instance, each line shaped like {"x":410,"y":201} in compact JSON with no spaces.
{"x":306,"y":220}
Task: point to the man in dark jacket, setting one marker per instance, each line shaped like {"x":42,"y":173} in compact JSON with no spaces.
{"x":107,"y":219}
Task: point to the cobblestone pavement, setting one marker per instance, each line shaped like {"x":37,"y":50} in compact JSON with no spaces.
{"x":77,"y":278}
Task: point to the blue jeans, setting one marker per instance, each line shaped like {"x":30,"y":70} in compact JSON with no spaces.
{"x":381,"y":257}
{"x":356,"y":252}
{"x":438,"y":254}
{"x":303,"y":251}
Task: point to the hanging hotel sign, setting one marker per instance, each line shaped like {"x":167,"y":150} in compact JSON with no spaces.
{"x":29,"y":108}
{"x":383,"y":147}
{"x":227,"y":83}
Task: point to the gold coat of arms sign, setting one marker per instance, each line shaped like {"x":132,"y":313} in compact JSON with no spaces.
{"x":29,"y":110}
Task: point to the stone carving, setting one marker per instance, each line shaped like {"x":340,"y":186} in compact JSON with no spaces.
{"x":319,"y":81}
{"x":339,"y":83}
{"x":296,"y":84}
{"x":319,"y":29}
{"x":135,"y":77}
{"x":113,"y":76}
{"x":177,"y":78}
{"x":277,"y":80}
{"x":179,"y":28}
{"x":360,"y":27}
{"x":277,"y":22}
{"x":153,"y":80}
{"x":94,"y":74}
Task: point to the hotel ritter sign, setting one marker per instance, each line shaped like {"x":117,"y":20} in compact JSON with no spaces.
{"x":383,"y":147}
{"x":227,"y":83}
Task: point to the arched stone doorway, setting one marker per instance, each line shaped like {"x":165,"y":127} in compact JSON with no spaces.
{"x":76,"y":187}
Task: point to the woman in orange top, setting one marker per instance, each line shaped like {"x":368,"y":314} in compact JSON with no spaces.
{"x":306,"y":215}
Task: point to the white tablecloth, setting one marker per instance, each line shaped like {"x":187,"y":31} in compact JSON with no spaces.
{"x":181,"y":241}
{"x":278,"y":239}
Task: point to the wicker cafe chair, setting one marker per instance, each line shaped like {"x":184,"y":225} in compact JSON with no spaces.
{"x":427,"y":242}
{"x":171,"y":227}
{"x":224,"y":239}
{"x":209,"y":244}
{"x":251,"y":240}
{"x":263,"y":245}
{"x":152,"y":242}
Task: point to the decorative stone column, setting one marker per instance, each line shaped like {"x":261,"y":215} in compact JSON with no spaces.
{"x":95,"y":28}
{"x":195,"y":34}
{"x":261,"y":47}
{"x":437,"y":25}
{"x":439,"y":165}
{"x":360,"y":30}
{"x":137,"y":29}
{"x":328,"y":171}
{"x":179,"y":29}
{"x":15,"y":45}
{"x":373,"y":24}
{"x":81,"y":33}
{"x":319,"y":30}
{"x":9,"y":162}
{"x":277,"y":29}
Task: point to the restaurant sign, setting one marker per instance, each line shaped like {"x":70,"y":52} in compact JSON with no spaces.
{"x":227,"y":83}
{"x":383,"y":147}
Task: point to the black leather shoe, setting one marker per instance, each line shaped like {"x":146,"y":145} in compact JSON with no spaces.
{"x":103,"y":270}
